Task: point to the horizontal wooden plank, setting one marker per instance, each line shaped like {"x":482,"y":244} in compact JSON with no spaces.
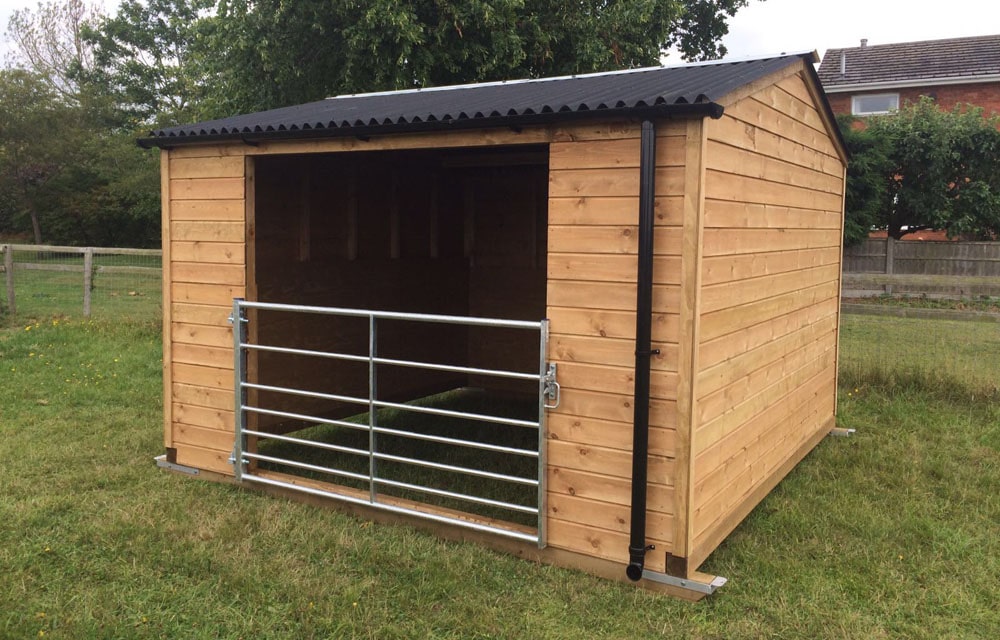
{"x":609,"y":545}
{"x":206,"y":189}
{"x":761,"y":390}
{"x":614,"y":379}
{"x":613,"y":153}
{"x":783,"y":101}
{"x":202,"y":376}
{"x":212,"y":167}
{"x":574,"y":183}
{"x":213,"y":439}
{"x":609,"y":351}
{"x":611,"y":240}
{"x":201,"y":458}
{"x":608,"y":462}
{"x":203,"y":396}
{"x":719,"y":242}
{"x":229,"y":274}
{"x":201,"y":334}
{"x":745,"y":215}
{"x":732,"y":160}
{"x":609,"y":129}
{"x":712,"y":352}
{"x":204,"y":356}
{"x":611,"y":296}
{"x":737,"y":188}
{"x":612,"y":490}
{"x":611,"y":435}
{"x":607,"y":516}
{"x":616,"y":408}
{"x":208,"y":210}
{"x":741,"y":292}
{"x":610,"y":268}
{"x":620,"y":211}
{"x":610,"y":324}
{"x":716,"y":377}
{"x":212,"y":315}
{"x":213,"y":252}
{"x":725,"y":321}
{"x":746,"y":136}
{"x":218,"y":419}
{"x":214,"y":294}
{"x":192,"y":231}
{"x":719,"y":269}
{"x":763,"y":116}
{"x":768,"y":454}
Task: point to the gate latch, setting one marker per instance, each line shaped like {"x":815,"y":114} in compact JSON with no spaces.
{"x":551,"y":389}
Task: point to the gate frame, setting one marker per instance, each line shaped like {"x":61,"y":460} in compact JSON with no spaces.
{"x":548,"y":394}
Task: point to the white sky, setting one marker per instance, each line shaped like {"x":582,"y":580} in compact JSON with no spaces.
{"x":774,"y":26}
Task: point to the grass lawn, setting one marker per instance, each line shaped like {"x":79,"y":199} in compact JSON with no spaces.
{"x":894,"y":533}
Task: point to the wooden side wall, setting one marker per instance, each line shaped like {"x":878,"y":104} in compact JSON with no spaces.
{"x":204,"y":241}
{"x":768,"y":303}
{"x":592,"y":262}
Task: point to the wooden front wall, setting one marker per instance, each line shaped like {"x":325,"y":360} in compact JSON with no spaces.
{"x":748,"y":216}
{"x":593,"y":258}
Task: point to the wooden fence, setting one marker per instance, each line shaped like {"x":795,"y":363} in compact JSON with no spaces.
{"x":60,"y":260}
{"x":945,"y":269}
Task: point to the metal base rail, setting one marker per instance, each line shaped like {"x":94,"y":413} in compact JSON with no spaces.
{"x":548,"y":397}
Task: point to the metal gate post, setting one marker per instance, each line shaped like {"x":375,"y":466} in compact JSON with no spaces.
{"x":543,"y":384}
{"x":239,"y":323}
{"x":372,"y":396}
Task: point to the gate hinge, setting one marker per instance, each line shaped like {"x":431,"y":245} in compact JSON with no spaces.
{"x":551,"y":388}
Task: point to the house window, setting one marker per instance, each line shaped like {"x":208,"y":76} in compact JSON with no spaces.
{"x":868,"y":105}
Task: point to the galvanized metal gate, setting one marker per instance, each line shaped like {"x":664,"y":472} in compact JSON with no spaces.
{"x":245,"y":462}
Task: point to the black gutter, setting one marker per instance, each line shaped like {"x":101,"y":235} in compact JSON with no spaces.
{"x":258,"y":134}
{"x":643,"y":352}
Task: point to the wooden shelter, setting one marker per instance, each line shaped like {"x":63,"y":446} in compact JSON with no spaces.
{"x":679,"y":228}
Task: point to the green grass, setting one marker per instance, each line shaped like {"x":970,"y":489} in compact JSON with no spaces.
{"x":889,"y":534}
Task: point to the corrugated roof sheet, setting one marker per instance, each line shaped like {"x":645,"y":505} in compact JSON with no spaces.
{"x":676,"y":89}
{"x":912,"y":61}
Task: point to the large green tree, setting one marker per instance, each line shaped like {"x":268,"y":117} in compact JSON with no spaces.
{"x":270,"y":53}
{"x":924,"y":168}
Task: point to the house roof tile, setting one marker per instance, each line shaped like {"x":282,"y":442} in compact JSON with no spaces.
{"x":909,"y":62}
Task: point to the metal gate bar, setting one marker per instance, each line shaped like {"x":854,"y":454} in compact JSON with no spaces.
{"x":548,"y":390}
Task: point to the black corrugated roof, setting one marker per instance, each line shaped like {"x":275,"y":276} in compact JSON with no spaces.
{"x":926,"y":60}
{"x":667,"y":90}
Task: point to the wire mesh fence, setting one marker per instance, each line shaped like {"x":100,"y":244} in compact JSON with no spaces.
{"x":959,"y":358}
{"x":99,"y":282}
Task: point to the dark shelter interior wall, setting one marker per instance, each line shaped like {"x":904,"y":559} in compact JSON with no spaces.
{"x":452,"y":232}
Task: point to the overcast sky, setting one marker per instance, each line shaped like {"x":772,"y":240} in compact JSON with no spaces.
{"x":775,"y":26}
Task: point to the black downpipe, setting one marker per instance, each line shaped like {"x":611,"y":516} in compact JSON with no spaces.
{"x":643,"y":328}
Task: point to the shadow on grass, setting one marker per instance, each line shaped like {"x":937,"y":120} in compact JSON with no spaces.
{"x":395,"y":471}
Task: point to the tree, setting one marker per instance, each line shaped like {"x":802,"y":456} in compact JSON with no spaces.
{"x":35,"y":124}
{"x":145,"y":58}
{"x":49,"y":42}
{"x":937,"y":170}
{"x":270,"y":53}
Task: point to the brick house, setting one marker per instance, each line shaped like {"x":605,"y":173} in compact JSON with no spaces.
{"x":869,"y":80}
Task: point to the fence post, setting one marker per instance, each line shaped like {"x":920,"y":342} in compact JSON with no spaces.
{"x":890,"y":250}
{"x":88,"y":279}
{"x":8,"y":267}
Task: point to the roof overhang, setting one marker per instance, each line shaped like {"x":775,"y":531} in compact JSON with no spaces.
{"x":909,"y":84}
{"x":696,"y":109}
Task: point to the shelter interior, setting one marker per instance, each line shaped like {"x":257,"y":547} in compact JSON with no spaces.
{"x":454,"y":231}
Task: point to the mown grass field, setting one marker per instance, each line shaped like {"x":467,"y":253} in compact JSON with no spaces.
{"x":894,"y":533}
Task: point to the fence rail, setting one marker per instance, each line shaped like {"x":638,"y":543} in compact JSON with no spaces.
{"x":59,"y":274}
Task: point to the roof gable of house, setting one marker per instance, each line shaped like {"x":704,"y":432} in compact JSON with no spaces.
{"x":927,"y":62}
{"x":659,"y":91}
